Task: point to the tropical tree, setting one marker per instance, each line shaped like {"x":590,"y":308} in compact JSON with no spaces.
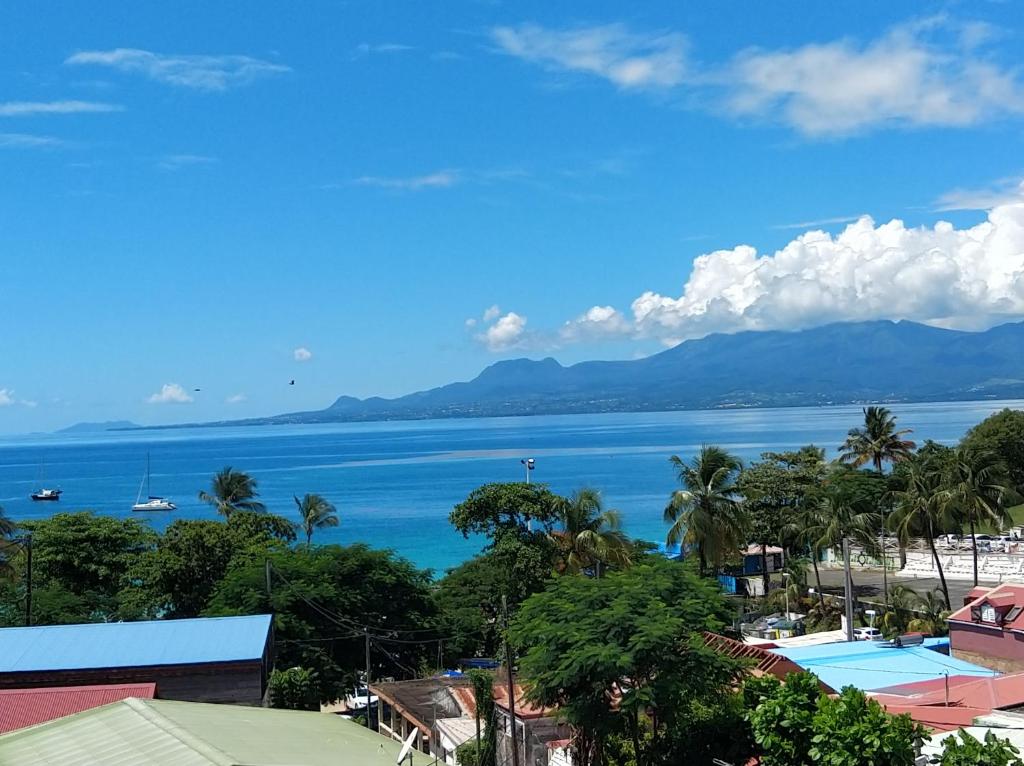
{"x":707,"y":512}
{"x":877,"y":442}
{"x":920,"y":511}
{"x":8,"y":547}
{"x":930,"y":614}
{"x":232,"y":491}
{"x":316,"y":513}
{"x":840,"y":513}
{"x":977,"y":487}
{"x":590,"y":536}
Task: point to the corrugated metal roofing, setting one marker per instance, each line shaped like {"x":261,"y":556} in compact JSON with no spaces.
{"x":132,"y":644}
{"x":134,"y":732}
{"x":27,"y":707}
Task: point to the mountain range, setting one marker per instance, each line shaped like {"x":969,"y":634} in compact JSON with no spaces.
{"x":852,"y":362}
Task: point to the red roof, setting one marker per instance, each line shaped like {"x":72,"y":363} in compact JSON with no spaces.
{"x":1001,"y":596}
{"x":965,"y":693}
{"x":26,"y":707}
{"x":938,"y":718}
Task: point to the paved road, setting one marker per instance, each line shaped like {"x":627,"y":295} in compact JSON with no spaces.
{"x":868,"y":583}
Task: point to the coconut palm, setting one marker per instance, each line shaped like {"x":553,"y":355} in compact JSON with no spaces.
{"x":707,"y":512}
{"x":316,"y":513}
{"x":805,"y":531}
{"x":930,"y":614}
{"x":232,"y":491}
{"x":920,"y":512}
{"x":838,"y":515}
{"x":977,"y":487}
{"x":589,"y":536}
{"x":877,"y":442}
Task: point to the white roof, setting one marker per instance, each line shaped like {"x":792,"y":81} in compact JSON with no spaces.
{"x":458,"y":730}
{"x":811,"y":639}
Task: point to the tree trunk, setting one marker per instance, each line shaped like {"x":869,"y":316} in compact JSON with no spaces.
{"x":938,"y":566}
{"x":703,"y":562}
{"x":817,"y":577}
{"x":765,"y":579}
{"x":634,"y":733}
{"x":974,"y":545}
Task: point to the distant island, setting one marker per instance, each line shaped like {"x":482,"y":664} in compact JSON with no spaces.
{"x":842,"y":363}
{"x":106,"y":425}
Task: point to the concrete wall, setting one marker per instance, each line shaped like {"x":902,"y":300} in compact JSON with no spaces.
{"x":988,"y":646}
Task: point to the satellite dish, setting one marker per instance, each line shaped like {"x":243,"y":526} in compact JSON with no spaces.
{"x":406,"y":751}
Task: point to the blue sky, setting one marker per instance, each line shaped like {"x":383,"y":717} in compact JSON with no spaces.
{"x":194,"y":192}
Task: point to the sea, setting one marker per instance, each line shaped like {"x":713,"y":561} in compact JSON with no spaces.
{"x":394,"y":483}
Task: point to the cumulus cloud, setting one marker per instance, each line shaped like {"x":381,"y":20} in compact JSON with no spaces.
{"x":967,"y":278}
{"x":28,"y":108}
{"x":504,"y":333}
{"x":170,"y":393}
{"x":200,"y":72}
{"x":932,"y":72}
{"x":302,"y":354}
{"x":6,"y":397}
{"x":492,"y":313}
{"x":438,"y":180}
{"x":236,"y":399}
{"x":612,"y":51}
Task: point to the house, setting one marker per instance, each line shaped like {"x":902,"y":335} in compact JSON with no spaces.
{"x":989,"y":629}
{"x":762,"y":661}
{"x":441,"y":708}
{"x":946,"y":704}
{"x":172,"y":733}
{"x":27,"y":707}
{"x":540,"y":738}
{"x":221,"y":659}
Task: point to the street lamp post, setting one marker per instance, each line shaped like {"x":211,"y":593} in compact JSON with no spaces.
{"x":785,"y":587}
{"x":529,"y":465}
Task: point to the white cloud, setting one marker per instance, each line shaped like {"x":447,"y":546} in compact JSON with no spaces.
{"x":611,"y":51}
{"x":818,"y":222}
{"x":439,"y":180}
{"x":507,"y":332}
{"x":201,"y":72}
{"x":912,"y":76}
{"x":492,"y":313}
{"x":966,"y":278}
{"x":236,"y":399}
{"x":302,"y":354}
{"x":178,"y":161}
{"x":6,"y":397}
{"x":28,"y":141}
{"x":28,"y":108}
{"x":170,"y":393}
{"x":1003,"y":192}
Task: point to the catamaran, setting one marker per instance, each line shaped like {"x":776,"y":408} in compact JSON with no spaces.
{"x":152,"y":503}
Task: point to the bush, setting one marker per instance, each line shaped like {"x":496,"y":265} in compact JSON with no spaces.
{"x":295,"y":689}
{"x":969,"y":751}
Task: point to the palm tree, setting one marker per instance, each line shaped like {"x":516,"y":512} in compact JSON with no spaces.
{"x":838,"y":515}
{"x":877,"y":442}
{"x":806,"y":530}
{"x":590,"y":536}
{"x":920,"y":512}
{"x":232,"y":491}
{"x":977,"y":488}
{"x":931,"y":613}
{"x":316,"y":513}
{"x":707,"y":512}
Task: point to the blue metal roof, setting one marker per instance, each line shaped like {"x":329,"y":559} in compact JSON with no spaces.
{"x":867,"y":665}
{"x":131,"y":644}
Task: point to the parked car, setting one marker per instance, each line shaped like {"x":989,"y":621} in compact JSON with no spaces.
{"x":357,"y":700}
{"x":867,"y":634}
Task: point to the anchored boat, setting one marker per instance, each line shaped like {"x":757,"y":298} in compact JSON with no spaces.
{"x":152,"y":503}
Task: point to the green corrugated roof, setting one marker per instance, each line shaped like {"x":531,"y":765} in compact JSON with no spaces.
{"x":137,"y":732}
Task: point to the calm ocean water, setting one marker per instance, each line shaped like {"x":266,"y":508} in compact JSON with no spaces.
{"x":394,"y":483}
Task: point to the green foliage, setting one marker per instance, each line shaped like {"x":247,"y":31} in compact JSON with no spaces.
{"x":635,"y":635}
{"x":485,"y":752}
{"x":316,"y":513}
{"x":232,"y":491}
{"x":589,"y":538}
{"x":877,"y":442}
{"x":194,"y":555}
{"x":321,"y":598}
{"x":469,"y":596}
{"x":706,"y":512}
{"x":969,"y":751}
{"x":794,"y":724}
{"x":1003,"y":434}
{"x":502,"y":509}
{"x":294,"y":689}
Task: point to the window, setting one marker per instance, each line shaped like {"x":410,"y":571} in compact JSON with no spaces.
{"x":1014,"y":614}
{"x":988,"y":613}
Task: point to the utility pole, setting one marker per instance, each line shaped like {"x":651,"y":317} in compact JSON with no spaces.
{"x":366,"y":633}
{"x":511,"y":683}
{"x":848,"y":589}
{"x":28,"y":579}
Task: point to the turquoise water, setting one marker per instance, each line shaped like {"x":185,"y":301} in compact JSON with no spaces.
{"x":395,"y":483}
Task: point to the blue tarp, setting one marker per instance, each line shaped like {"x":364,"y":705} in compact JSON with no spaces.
{"x":133,"y":644}
{"x":868,"y":665}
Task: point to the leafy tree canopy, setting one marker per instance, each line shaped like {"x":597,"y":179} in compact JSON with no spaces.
{"x":969,"y":751}
{"x":499,"y":509}
{"x":1003,"y":434}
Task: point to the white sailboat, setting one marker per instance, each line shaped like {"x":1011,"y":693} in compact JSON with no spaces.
{"x":152,"y":503}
